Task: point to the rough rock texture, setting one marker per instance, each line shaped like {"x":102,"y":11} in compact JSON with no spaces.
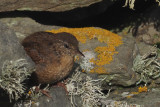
{"x":148,"y":34}
{"x":148,"y":31}
{"x":60,"y":99}
{"x":25,"y":26}
{"x":145,"y":99}
{"x":10,"y":48}
{"x":44,"y":5}
{"x":120,"y":70}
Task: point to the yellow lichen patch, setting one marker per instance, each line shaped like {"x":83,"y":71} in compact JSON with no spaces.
{"x":29,"y":92}
{"x":128,"y":96}
{"x":77,"y":32}
{"x":142,"y":89}
{"x":104,"y":57}
{"x":76,"y":58}
{"x":105,"y":53}
{"x":134,"y":93}
{"x":99,"y":70}
{"x":83,"y":70}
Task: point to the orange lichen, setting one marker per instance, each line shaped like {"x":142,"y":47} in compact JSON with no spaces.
{"x":83,"y":70}
{"x":105,"y":53}
{"x":29,"y":92}
{"x":99,"y":70}
{"x":134,"y":93}
{"x":142,"y":89}
{"x":104,"y":57}
{"x":128,"y":96}
{"x":76,"y":58}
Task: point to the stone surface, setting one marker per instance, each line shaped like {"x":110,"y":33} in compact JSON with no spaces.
{"x":120,"y":70}
{"x":59,"y":99}
{"x":148,"y":33}
{"x":10,"y":48}
{"x":145,"y":99}
{"x":25,"y":26}
{"x":148,"y":30}
{"x":44,"y":5}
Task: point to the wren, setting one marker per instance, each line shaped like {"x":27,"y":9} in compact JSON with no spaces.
{"x":53,"y":55}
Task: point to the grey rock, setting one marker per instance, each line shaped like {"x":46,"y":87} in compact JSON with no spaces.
{"x":25,"y":26}
{"x":148,"y":34}
{"x":43,"y":5}
{"x":10,"y":48}
{"x":120,"y":69}
{"x":59,"y":99}
{"x":148,"y":30}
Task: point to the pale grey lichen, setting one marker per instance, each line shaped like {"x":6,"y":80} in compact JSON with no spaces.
{"x":132,"y":2}
{"x":12,"y":76}
{"x":147,"y":66}
{"x":89,"y":90}
{"x":113,"y":103}
{"x":32,"y":97}
{"x":35,"y":94}
{"x":86,"y":64}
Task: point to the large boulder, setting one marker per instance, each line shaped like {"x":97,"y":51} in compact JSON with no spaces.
{"x":43,"y":5}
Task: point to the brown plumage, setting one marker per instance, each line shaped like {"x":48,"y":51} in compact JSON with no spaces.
{"x":53,"y":55}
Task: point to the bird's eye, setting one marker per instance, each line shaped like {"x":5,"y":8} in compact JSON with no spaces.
{"x":66,"y":46}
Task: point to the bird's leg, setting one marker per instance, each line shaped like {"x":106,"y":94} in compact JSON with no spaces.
{"x":43,"y":91}
{"x":61,"y":84}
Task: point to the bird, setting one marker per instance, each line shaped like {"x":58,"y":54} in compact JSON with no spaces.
{"x":53,"y":55}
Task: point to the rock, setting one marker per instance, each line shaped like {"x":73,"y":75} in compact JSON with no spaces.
{"x":151,"y":57}
{"x":43,"y":5}
{"x":144,"y":99}
{"x":25,"y":26}
{"x":59,"y":99}
{"x":148,"y":31}
{"x":120,"y":70}
{"x":15,"y":66}
{"x":10,"y":48}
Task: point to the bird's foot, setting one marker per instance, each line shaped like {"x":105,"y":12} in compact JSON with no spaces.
{"x":61,"y":84}
{"x":43,"y":91}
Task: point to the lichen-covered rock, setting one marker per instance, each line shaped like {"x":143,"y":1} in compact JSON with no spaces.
{"x":59,"y":99}
{"x":43,"y":5}
{"x":15,"y":64}
{"x":10,"y":48}
{"x":93,"y":42}
{"x":120,"y":69}
{"x":106,"y":54}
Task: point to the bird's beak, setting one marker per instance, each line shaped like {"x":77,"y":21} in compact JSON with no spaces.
{"x":80,"y":53}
